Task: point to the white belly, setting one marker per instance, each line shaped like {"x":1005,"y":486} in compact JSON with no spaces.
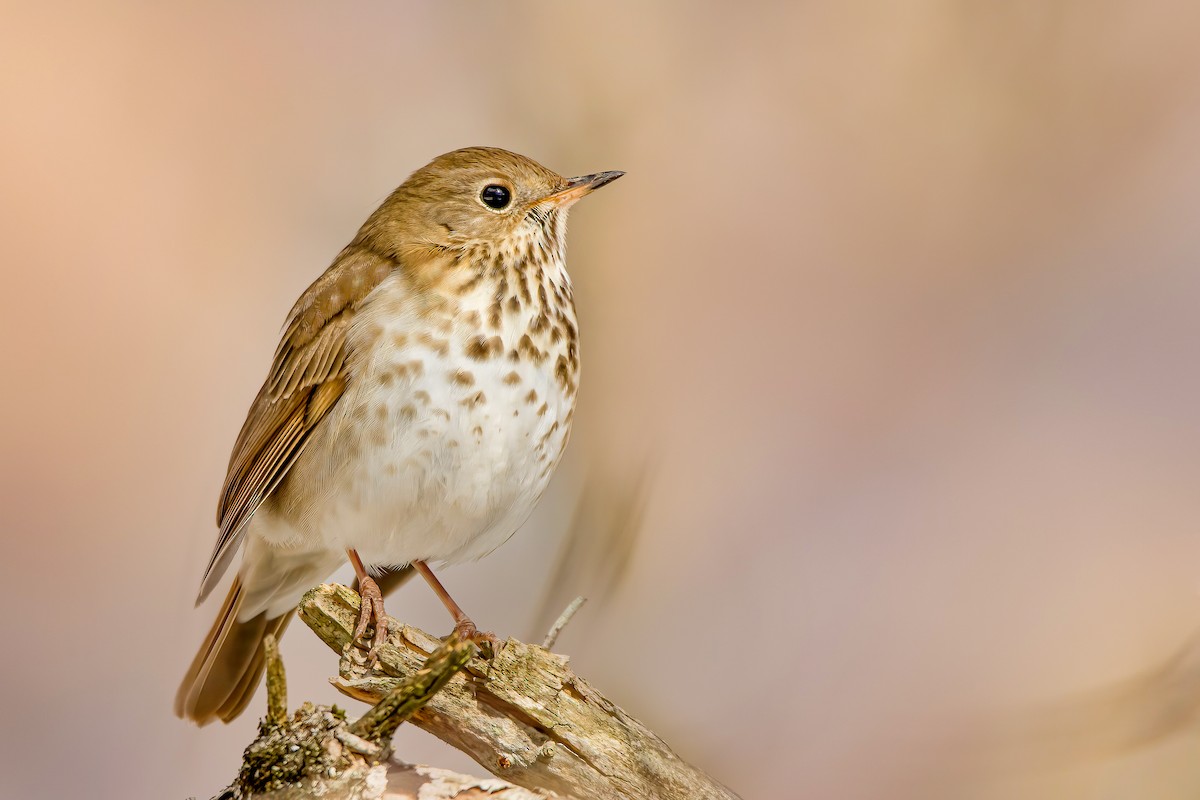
{"x":432,"y":453}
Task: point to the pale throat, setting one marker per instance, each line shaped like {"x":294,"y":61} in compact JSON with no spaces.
{"x":517,"y":279}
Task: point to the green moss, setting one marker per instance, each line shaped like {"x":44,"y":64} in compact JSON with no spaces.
{"x":286,"y":754}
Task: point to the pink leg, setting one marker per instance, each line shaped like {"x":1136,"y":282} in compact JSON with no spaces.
{"x":463,"y":626}
{"x":372,"y":607}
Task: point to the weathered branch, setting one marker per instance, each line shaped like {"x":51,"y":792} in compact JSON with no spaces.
{"x":276,"y":682}
{"x":560,"y":623}
{"x":316,"y":753}
{"x":523,"y":715}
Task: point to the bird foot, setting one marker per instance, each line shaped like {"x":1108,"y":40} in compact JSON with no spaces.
{"x":371,"y":609}
{"x":488,"y":642}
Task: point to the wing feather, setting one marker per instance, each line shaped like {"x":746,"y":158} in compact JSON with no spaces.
{"x":306,"y":380}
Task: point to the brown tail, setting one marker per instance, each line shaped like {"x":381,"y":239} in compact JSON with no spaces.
{"x":229,"y":666}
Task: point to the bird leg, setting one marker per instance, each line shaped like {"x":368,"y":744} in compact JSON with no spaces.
{"x":372,"y":607}
{"x":463,"y":626}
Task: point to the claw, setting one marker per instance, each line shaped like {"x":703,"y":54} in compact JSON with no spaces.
{"x":488,"y":642}
{"x":371,"y":609}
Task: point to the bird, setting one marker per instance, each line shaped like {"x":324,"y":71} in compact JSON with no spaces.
{"x":417,"y":405}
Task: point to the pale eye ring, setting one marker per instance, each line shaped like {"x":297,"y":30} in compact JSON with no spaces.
{"x":495,"y":196}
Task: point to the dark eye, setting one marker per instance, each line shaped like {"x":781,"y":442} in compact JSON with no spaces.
{"x":495,"y":196}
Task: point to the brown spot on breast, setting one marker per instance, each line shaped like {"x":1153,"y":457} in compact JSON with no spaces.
{"x":541,"y":412}
{"x":472,"y":319}
{"x":381,"y":412}
{"x":399,"y":340}
{"x":408,"y":412}
{"x":532,"y":397}
{"x":410,"y":369}
{"x":421,"y":396}
{"x":556,"y":335}
{"x":471,"y":282}
{"x":441,"y":412}
{"x":531,"y":351}
{"x":494,"y":315}
{"x":539,"y":323}
{"x":477,"y":399}
{"x":462,"y":377}
{"x":514,"y":304}
{"x":387,"y":379}
{"x":440,"y":303}
{"x":562,"y":373}
{"x":481,"y":348}
{"x":439,"y":346}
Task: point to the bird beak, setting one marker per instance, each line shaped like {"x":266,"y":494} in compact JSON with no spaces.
{"x":577,"y":188}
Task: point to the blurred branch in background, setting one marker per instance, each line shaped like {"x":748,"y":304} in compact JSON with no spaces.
{"x":1096,"y":726}
{"x":599,"y":546}
{"x":901,"y":296}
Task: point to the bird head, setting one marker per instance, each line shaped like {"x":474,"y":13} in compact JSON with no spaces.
{"x":479,"y":197}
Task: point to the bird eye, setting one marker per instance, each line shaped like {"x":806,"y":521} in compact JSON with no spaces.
{"x":495,"y":196}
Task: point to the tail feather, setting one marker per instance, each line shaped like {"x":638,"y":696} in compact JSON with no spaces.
{"x":243,"y":691}
{"x":229,"y":665}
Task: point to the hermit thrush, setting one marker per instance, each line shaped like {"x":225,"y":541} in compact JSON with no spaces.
{"x":417,"y":405}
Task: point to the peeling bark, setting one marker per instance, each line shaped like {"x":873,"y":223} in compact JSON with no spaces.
{"x":523,"y":715}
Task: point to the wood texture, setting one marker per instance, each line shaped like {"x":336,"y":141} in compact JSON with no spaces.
{"x":318,"y":753}
{"x":523,"y":715}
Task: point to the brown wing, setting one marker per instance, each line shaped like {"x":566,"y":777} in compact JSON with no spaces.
{"x":306,"y":380}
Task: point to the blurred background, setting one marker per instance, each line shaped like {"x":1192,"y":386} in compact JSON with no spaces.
{"x":888,"y":424}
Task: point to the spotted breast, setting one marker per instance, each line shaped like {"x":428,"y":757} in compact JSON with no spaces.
{"x":417,"y":405}
{"x":458,"y":414}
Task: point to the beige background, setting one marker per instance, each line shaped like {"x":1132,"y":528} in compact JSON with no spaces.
{"x":897,"y":304}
